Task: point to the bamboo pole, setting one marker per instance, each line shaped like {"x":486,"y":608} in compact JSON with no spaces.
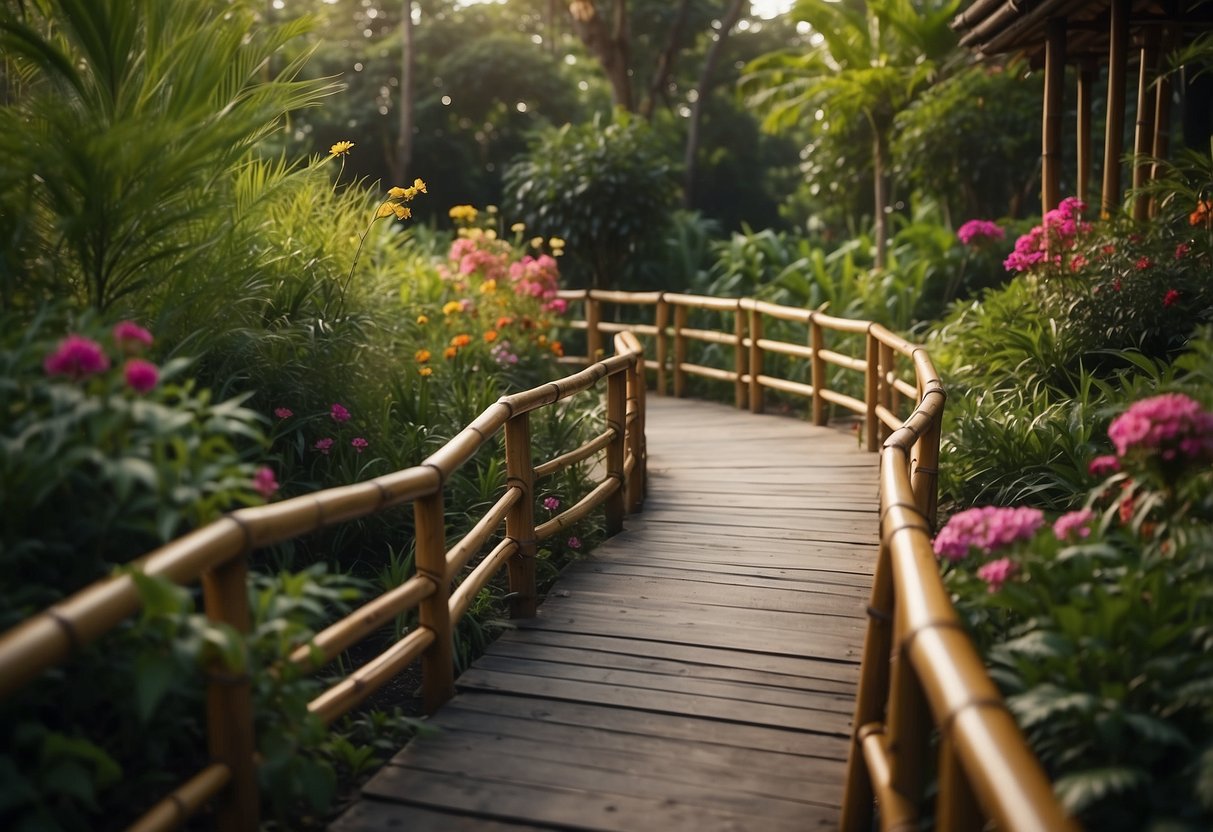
{"x":229,"y":701}
{"x":1143,"y":133}
{"x":739,"y":358}
{"x":885,"y":386}
{"x":756,"y":398}
{"x":1114,"y":122}
{"x":956,"y":808}
{"x":818,"y":369}
{"x":925,"y":477}
{"x":680,"y":351}
{"x":1161,"y":140}
{"x":184,"y":802}
{"x":1050,"y":146}
{"x":520,"y":521}
{"x":872,"y":376}
{"x":593,"y":336}
{"x":661,"y":320}
{"x":635,"y":436}
{"x":909,"y":723}
{"x":438,"y":661}
{"x":1086,"y":86}
{"x":617,"y":403}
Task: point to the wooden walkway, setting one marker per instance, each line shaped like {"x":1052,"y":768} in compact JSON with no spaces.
{"x":695,"y":672}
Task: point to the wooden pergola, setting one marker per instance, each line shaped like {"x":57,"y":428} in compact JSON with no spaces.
{"x":1094,"y":35}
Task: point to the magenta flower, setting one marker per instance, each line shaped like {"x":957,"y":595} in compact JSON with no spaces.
{"x":359,"y":444}
{"x":339,"y":413}
{"x":978,"y":231}
{"x":324,"y":445}
{"x":1101,"y":466}
{"x":141,"y":376}
{"x":1074,"y":524}
{"x":1181,"y":251}
{"x":1170,"y":425}
{"x":551,"y":503}
{"x":986,"y":528}
{"x":574,"y":542}
{"x":996,"y":572}
{"x":128,"y":335}
{"x":1171,"y":297}
{"x":283,"y":412}
{"x":264,"y":482}
{"x":77,"y":357}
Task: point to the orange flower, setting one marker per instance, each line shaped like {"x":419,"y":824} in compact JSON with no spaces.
{"x":426,"y":371}
{"x":1203,"y":214}
{"x":542,"y":340}
{"x":490,"y":336}
{"x":503,"y":322}
{"x":557,"y":349}
{"x":461,"y":340}
{"x":449,"y":353}
{"x":422,"y":356}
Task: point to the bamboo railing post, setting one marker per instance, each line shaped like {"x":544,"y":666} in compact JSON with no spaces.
{"x":871,"y":696}
{"x":1055,"y":76}
{"x":520,"y":521}
{"x":871,"y":386}
{"x":636,"y":481}
{"x":438,"y":660}
{"x":1114,"y":120}
{"x":680,"y":351}
{"x":1161,"y":139}
{"x":229,"y":702}
{"x":593,"y":336}
{"x":818,"y":368}
{"x":661,"y":321}
{"x":1143,"y":132}
{"x":925,"y":476}
{"x":956,"y":808}
{"x":909,"y":723}
{"x":739,"y":358}
{"x":1086,"y":85}
{"x":617,"y":404}
{"x":886,"y":387}
{"x":756,"y":398}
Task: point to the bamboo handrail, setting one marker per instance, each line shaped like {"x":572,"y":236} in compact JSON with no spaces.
{"x":566,"y":460}
{"x":184,"y":801}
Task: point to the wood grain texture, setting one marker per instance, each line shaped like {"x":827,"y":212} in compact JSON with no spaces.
{"x":695,"y":672}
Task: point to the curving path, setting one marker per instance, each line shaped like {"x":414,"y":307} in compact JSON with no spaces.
{"x":695,"y":672}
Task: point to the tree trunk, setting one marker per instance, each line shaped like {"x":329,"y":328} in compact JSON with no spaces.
{"x":403,"y":158}
{"x":880,"y":195}
{"x":702,"y":90}
{"x":665,"y":62}
{"x":609,"y":44}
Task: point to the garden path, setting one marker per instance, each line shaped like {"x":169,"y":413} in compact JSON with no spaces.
{"x":696,"y":671}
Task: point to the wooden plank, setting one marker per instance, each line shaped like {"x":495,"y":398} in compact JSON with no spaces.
{"x":793,"y":580}
{"x":374,"y":815}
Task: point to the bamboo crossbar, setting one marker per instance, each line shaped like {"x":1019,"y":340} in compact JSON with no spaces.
{"x":459,"y":554}
{"x":905,"y":388}
{"x":784,"y":348}
{"x":466,"y":592}
{"x":701,"y":302}
{"x":184,"y":801}
{"x":796,"y":388}
{"x":709,"y":372}
{"x":710,"y":336}
{"x":846,"y":361}
{"x":843,"y":400}
{"x":888,"y":417}
{"x":782,"y":313}
{"x":579,"y":510}
{"x":587,"y":450}
{"x":577,"y":325}
{"x":639,"y":329}
{"x":353,"y":689}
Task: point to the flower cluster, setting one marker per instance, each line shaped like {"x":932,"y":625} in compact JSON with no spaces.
{"x":1056,"y":233}
{"x":976,"y":232}
{"x":79,"y":358}
{"x":986,"y":528}
{"x":1170,"y":426}
{"x":338,"y":414}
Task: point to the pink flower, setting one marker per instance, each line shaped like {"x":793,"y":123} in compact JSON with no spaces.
{"x":996,"y":572}
{"x":1103,"y":465}
{"x":986,"y":528}
{"x":551,"y":503}
{"x":978,"y":231}
{"x":1170,"y":425}
{"x":359,"y":444}
{"x":557,"y":305}
{"x":264,"y":482}
{"x":283,"y":412}
{"x":574,"y":542}
{"x":141,"y":376}
{"x":1181,"y":251}
{"x":1170,"y":298}
{"x":1143,"y":263}
{"x":129,"y":335}
{"x":1074,"y":523}
{"x":324,"y":445}
{"x":77,"y":357}
{"x":339,"y":413}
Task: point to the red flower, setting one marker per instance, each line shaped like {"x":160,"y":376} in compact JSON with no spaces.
{"x":1170,"y":298}
{"x":1181,"y":250}
{"x":1143,"y":263}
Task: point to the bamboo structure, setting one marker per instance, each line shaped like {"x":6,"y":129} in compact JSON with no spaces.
{"x":1055,"y":77}
{"x":1114,"y":123}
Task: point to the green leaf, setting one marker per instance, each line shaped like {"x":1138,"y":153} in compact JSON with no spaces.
{"x":154,"y":675}
{"x":1081,"y":790}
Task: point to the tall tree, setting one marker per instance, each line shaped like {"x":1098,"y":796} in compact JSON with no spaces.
{"x":403,"y":158}
{"x":866,"y":60}
{"x":608,"y":42}
{"x":702,"y":89}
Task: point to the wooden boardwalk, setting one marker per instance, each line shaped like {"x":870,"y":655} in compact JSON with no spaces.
{"x":695,"y":672}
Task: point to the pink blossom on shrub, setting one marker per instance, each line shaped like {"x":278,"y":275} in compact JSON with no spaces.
{"x":339,"y":413}
{"x":1181,"y":251}
{"x":324,"y":445}
{"x":128,"y":334}
{"x":1170,"y":425}
{"x":1103,"y":465}
{"x":557,"y":305}
{"x":77,"y":357}
{"x":141,"y":376}
{"x":359,"y":444}
{"x":551,"y":503}
{"x":574,"y":542}
{"x":502,"y":354}
{"x":1143,"y":263}
{"x":978,"y":231}
{"x":1058,"y":229}
{"x":996,"y":572}
{"x":283,"y":412}
{"x":1170,"y":298}
{"x":986,"y":528}
{"x":1074,"y":523}
{"x":264,"y":482}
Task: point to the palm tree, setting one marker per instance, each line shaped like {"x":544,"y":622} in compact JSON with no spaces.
{"x":866,"y":60}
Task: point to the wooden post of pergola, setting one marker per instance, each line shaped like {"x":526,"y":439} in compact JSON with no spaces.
{"x":1050,"y":145}
{"x":1161,"y":141}
{"x":1114,"y":125}
{"x":1143,"y":134}
{"x":1086,"y":86}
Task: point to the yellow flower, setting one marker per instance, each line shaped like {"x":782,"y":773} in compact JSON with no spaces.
{"x":385,"y":210}
{"x":397,"y":192}
{"x":419,"y":186}
{"x":536,"y":242}
{"x":451,"y":307}
{"x":488,"y":287}
{"x":490,"y":336}
{"x":518,"y":227}
{"x":541,"y":340}
{"x":556,"y":243}
{"x":463,"y":213}
{"x":341,"y":148}
{"x":422,"y":356}
{"x":423,"y":320}
{"x":402,"y":212}
{"x":426,"y":371}
{"x":491,"y":234}
{"x":492,"y":209}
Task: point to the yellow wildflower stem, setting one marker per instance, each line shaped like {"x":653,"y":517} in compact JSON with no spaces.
{"x":358,"y":253}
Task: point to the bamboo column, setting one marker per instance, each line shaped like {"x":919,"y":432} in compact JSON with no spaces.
{"x":229,"y":702}
{"x":1114,"y":124}
{"x":1143,"y":134}
{"x":1086,"y":85}
{"x":817,"y":342}
{"x":1050,"y":144}
{"x":617,"y":403}
{"x":886,"y":394}
{"x":756,"y":398}
{"x":661,"y":321}
{"x":636,"y":481}
{"x":520,"y":521}
{"x":871,"y":386}
{"x":1161,"y":140}
{"x":739,"y":358}
{"x":909,"y":723}
{"x":438,"y":660}
{"x":956,"y":808}
{"x":680,"y":351}
{"x":925,"y":476}
{"x":593,"y":336}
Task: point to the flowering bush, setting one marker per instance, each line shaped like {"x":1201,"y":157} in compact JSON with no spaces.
{"x":1098,"y":627}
